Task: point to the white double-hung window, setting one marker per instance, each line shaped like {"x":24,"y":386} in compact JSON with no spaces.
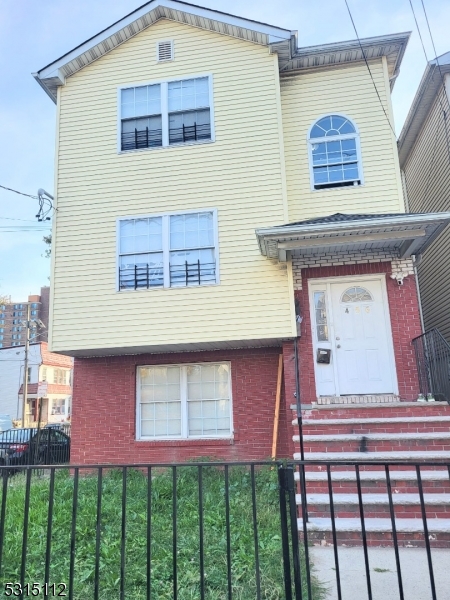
{"x":166,"y":113}
{"x":172,"y":250}
{"x":184,"y":401}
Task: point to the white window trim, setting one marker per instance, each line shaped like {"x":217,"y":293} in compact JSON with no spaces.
{"x":330,"y":138}
{"x":166,"y":249}
{"x":184,"y":405}
{"x":165,"y":113}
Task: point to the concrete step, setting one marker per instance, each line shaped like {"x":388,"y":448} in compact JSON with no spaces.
{"x":365,"y":457}
{"x":375,"y":425}
{"x":377,"y":505}
{"x":367,"y":411}
{"x":374,"y":442}
{"x":375,"y":481}
{"x":379,"y":531}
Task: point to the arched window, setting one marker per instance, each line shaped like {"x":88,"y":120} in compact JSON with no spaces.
{"x":334,"y":153}
{"x":356,"y":294}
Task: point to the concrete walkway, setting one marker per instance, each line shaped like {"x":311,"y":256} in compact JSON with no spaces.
{"x":383,"y":573}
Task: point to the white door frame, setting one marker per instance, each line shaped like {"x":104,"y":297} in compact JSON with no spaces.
{"x":326,"y":282}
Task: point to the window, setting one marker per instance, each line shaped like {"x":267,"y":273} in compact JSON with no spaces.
{"x":356,"y":294}
{"x":18,"y":313}
{"x":35,"y":305}
{"x":2,"y":321}
{"x":334,"y":153}
{"x":17,"y":328}
{"x":166,"y":113}
{"x":34,"y":312}
{"x":18,"y":306}
{"x":1,"y":336}
{"x":1,"y":345}
{"x":16,"y":336}
{"x":29,"y":374}
{"x":320,"y":307}
{"x":59,"y":376}
{"x":168,"y":251}
{"x":44,"y":374}
{"x":58,"y":406}
{"x":184,"y":401}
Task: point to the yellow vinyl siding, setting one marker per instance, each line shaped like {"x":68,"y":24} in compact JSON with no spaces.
{"x":240,"y":174}
{"x":347,"y":90}
{"x":427,"y":180}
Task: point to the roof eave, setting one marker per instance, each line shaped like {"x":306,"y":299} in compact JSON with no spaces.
{"x":423,"y":100}
{"x":441,"y":220}
{"x":161,"y":9}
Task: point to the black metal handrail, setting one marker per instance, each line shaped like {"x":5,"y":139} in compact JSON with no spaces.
{"x":433,"y":364}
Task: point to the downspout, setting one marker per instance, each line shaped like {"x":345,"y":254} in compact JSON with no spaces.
{"x":298,"y":319}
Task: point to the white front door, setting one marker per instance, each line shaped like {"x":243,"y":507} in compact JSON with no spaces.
{"x":357,"y":331}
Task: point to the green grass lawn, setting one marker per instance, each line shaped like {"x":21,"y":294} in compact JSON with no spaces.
{"x":244,"y":582}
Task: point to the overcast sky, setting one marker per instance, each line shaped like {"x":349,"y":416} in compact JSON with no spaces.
{"x":34,"y":33}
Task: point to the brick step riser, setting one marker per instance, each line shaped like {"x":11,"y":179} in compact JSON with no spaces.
{"x":375,"y":539}
{"x":379,"y":412}
{"x":430,"y":427}
{"x":378,"y":446}
{"x":403,"y":487}
{"x":375,"y":511}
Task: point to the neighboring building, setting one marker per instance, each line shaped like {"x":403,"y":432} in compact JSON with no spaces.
{"x":49,"y":384}
{"x":216,"y":183}
{"x":424,"y":150}
{"x":13,"y":315}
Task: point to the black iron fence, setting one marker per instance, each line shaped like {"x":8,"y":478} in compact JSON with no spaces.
{"x":433,"y":363}
{"x":215,"y":530}
{"x":41,"y":445}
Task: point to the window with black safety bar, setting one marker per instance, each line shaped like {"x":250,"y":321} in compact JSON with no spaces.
{"x":174,"y":250}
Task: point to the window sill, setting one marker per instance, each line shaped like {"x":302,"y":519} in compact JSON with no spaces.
{"x":345,"y":188}
{"x":187,"y":442}
{"x":167,"y":289}
{"x":180,"y":145}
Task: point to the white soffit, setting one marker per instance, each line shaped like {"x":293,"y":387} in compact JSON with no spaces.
{"x":54,"y":74}
{"x":401,"y":235}
{"x":329,"y":55}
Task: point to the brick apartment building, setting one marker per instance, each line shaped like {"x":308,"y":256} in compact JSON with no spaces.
{"x":13,"y":314}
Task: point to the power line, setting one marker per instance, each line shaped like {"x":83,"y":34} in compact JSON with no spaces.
{"x":368,"y":68}
{"x":418,"y":29}
{"x":16,"y":192}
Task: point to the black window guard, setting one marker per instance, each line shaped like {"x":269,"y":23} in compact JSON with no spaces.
{"x":146,"y":276}
{"x":145,"y":138}
{"x":190,"y":133}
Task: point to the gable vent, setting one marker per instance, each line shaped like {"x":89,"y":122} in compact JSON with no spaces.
{"x":165,"y":51}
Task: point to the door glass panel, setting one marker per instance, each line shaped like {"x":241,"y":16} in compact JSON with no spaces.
{"x":321,"y":316}
{"x":356,"y":294}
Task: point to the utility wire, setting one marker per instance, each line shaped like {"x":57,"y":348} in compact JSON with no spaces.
{"x":368,"y":68}
{"x":16,"y":192}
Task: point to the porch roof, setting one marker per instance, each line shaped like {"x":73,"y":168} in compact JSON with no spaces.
{"x":400,"y":234}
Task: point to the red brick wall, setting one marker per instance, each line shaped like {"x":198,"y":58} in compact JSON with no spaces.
{"x":405,"y":323}
{"x":104,"y":410}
